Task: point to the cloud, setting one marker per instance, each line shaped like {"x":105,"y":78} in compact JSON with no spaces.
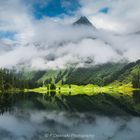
{"x":52,"y":42}
{"x":121,"y":17}
{"x":15,"y":17}
{"x":56,"y":45}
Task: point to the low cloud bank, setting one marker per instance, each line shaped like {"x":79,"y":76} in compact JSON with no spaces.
{"x":56,"y":46}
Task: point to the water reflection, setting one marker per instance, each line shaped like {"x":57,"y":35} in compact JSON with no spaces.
{"x":136,"y":96}
{"x":102,"y":103}
{"x":6,"y":102}
{"x":34,"y":116}
{"x":46,"y":125}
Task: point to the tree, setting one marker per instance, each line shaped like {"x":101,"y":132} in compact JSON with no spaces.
{"x":136,"y":79}
{"x":52,"y":87}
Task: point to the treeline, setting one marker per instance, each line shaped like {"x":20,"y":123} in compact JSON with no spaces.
{"x":100,"y":75}
{"x":10,"y":80}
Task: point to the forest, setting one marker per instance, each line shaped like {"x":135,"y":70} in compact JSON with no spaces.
{"x":103,"y":75}
{"x":11,"y":80}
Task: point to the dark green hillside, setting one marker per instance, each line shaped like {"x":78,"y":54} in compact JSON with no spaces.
{"x":99,"y":75}
{"x":81,"y":76}
{"x":10,"y":80}
{"x":107,"y":74}
{"x":48,"y":76}
{"x":129,"y":73}
{"x":32,"y":75}
{"x":93,"y":75}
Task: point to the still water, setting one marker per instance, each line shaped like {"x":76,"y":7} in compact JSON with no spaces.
{"x":34,"y":116}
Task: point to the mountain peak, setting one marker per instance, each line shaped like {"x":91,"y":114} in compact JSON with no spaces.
{"x":83,"y":21}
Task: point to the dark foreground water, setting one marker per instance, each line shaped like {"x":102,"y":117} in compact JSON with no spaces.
{"x":33,"y":116}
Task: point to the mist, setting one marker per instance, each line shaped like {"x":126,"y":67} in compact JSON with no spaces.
{"x":60,"y":46}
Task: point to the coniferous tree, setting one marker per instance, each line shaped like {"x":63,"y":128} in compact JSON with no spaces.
{"x":136,"y":80}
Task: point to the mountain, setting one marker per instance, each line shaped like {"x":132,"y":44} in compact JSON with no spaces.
{"x":100,"y":74}
{"x":83,"y":21}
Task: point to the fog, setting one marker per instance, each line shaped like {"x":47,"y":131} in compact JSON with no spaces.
{"x":59,"y":46}
{"x":40,"y":125}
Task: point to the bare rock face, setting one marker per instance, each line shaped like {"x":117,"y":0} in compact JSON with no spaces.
{"x":83,"y":21}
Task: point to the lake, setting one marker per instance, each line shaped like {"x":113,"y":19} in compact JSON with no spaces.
{"x":35,"y":116}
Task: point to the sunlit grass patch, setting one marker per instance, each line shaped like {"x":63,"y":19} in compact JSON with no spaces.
{"x":89,"y":89}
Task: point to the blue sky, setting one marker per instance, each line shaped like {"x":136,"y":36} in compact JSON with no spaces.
{"x":19,"y":15}
{"x":55,"y":8}
{"x":7,"y":34}
{"x":104,"y":10}
{"x":50,"y":8}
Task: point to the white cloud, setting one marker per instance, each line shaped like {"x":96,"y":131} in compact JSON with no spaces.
{"x":15,"y":17}
{"x":55,"y":43}
{"x":122,"y":16}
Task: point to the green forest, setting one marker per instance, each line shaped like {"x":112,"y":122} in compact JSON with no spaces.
{"x":100,"y":75}
{"x":11,"y":80}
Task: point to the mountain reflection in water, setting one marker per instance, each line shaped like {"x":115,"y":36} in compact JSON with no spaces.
{"x":34,"y":116}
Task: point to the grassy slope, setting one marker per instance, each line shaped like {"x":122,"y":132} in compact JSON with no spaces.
{"x":101,"y":75}
{"x":90,"y":89}
{"x":78,"y":76}
{"x":125,"y":74}
{"x":93,"y":75}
